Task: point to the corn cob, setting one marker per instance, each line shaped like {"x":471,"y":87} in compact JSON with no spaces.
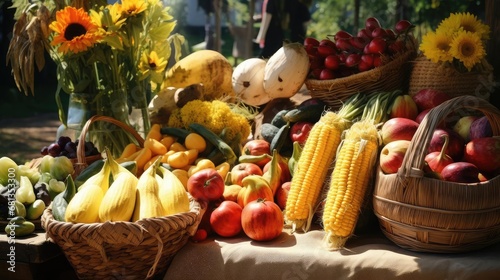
{"x":312,"y":168}
{"x":349,"y":182}
{"x":315,"y":160}
{"x":354,"y":165}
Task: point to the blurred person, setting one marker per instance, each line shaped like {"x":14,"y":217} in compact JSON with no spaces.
{"x":271,"y":33}
{"x":300,"y":16}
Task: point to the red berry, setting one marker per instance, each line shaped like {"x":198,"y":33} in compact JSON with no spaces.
{"x":326,"y":74}
{"x":371,"y":23}
{"x":402,"y":26}
{"x":332,"y":62}
{"x":377,"y":45}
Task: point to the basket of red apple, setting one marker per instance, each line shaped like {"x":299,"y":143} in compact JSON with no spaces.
{"x":376,"y":59}
{"x":437,"y":186}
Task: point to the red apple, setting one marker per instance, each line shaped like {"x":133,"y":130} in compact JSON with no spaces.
{"x":436,"y":161}
{"x":404,"y":107}
{"x":398,"y":129}
{"x":206,"y":185}
{"x":225,"y":220}
{"x":463,"y":125}
{"x":420,"y":117}
{"x":282,"y":194}
{"x":456,"y":143}
{"x":484,"y":153}
{"x":243,"y":169}
{"x":392,"y":155}
{"x":460,"y":172}
{"x":429,"y":98}
{"x":480,"y":128}
{"x":300,"y":131}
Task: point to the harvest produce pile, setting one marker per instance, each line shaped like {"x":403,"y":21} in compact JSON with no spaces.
{"x":311,"y":162}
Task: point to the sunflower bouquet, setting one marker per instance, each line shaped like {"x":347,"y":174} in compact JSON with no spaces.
{"x":110,"y":58}
{"x":453,"y":59}
{"x":459,"y":41}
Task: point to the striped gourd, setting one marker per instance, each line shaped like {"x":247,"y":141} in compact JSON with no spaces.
{"x":312,"y":168}
{"x":349,"y":182}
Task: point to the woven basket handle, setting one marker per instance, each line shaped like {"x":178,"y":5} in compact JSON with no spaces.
{"x":80,"y":152}
{"x":414,"y":160}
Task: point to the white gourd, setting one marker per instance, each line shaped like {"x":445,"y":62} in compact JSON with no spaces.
{"x":286,"y":71}
{"x":248,"y":82}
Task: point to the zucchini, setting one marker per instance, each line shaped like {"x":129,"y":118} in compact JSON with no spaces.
{"x":179,"y":133}
{"x":310,"y":113}
{"x":278,"y":120}
{"x":268,"y":131}
{"x":280,"y":138}
{"x":213,"y":138}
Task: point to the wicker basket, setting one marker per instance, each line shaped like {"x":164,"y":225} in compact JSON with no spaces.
{"x":430,"y":215}
{"x":391,"y":76}
{"x":123,"y":250}
{"x":81,"y":161}
{"x":426,"y":74}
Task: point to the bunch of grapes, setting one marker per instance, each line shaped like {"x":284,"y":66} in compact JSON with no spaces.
{"x":64,"y":146}
{"x":346,"y":54}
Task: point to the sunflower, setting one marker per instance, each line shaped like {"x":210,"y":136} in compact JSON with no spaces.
{"x":152,"y":65}
{"x":74,"y":30}
{"x":436,"y":47}
{"x":133,"y":7}
{"x":468,"y":48}
{"x":464,"y":21}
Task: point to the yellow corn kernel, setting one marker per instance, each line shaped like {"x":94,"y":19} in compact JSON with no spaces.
{"x":349,"y":182}
{"x":312,"y":169}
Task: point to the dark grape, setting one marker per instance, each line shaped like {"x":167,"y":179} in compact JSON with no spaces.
{"x":54,"y":149}
{"x":44,"y":151}
{"x":70,"y":147}
{"x":63,"y":140}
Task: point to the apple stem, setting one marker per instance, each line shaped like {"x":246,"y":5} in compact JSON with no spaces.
{"x":445,"y":146}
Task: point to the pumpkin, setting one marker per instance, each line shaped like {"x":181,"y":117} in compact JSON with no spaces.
{"x":248,"y":82}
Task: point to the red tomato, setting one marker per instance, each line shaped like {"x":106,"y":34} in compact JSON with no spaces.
{"x":262,"y":220}
{"x":225,"y":220}
{"x":206,"y":185}
{"x":300,"y":131}
{"x":200,"y":235}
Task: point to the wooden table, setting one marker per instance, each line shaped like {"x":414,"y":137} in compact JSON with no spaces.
{"x":34,"y":257}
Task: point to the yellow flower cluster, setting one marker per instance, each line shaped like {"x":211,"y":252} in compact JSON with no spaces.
{"x":458,"y":40}
{"x":216,"y":115}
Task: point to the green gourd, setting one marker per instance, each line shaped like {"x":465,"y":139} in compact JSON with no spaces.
{"x":60,"y":202}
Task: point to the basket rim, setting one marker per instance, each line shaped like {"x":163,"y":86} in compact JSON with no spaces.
{"x":394,"y":63}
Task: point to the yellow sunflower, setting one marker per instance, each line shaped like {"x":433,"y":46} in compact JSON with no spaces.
{"x":152,"y":65}
{"x":436,"y":47}
{"x":464,"y":21}
{"x":468,"y":48}
{"x":74,"y":30}
{"x":133,"y":7}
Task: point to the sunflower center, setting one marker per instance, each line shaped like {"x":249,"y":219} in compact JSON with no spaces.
{"x":443,"y":46}
{"x":467,"y":49}
{"x":74,"y":30}
{"x":152,"y":65}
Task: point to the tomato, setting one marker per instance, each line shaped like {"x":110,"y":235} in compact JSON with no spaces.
{"x":200,"y":235}
{"x":225,"y":220}
{"x":300,"y":131}
{"x":257,"y":147}
{"x":206,"y":185}
{"x":262,"y":220}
